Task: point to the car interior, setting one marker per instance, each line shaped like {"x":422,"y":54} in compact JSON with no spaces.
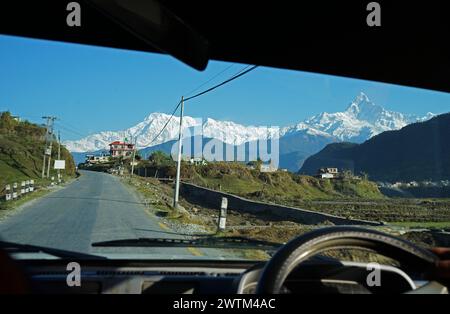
{"x":295,"y":268}
{"x":276,"y":35}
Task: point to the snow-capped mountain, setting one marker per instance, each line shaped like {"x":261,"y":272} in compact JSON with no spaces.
{"x":360,"y":121}
{"x":146,"y":131}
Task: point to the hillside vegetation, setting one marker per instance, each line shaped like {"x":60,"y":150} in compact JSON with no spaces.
{"x":21,"y":151}
{"x":349,"y":197}
{"x":277,"y":187}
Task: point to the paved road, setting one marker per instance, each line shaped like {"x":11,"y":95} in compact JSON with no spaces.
{"x":96,"y":207}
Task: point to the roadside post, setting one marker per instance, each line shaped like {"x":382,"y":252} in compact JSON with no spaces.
{"x":53,"y":181}
{"x":22,"y":188}
{"x":14,"y":195}
{"x":31,"y":185}
{"x":223,"y":214}
{"x":27,"y":186}
{"x":8,"y":195}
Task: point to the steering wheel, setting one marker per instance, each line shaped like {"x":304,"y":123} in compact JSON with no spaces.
{"x":288,"y":257}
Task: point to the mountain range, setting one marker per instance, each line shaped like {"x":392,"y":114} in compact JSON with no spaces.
{"x":361,"y":120}
{"x":417,"y":152}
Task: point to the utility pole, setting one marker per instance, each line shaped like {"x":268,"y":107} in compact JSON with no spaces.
{"x":180,"y":137}
{"x":48,"y":139}
{"x":52,"y":119}
{"x":45,"y":147}
{"x":134,"y":155}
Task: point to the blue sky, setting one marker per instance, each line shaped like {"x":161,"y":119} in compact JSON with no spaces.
{"x":94,"y":89}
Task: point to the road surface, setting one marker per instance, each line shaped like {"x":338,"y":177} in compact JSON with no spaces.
{"x":95,"y":207}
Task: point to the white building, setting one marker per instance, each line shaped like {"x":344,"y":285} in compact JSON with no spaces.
{"x":198,"y":161}
{"x":95,"y":159}
{"x":327,"y":173}
{"x":267,"y":168}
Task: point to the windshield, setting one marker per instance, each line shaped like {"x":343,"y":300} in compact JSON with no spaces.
{"x":91,"y":162}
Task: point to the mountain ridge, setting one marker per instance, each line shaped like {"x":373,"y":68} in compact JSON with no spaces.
{"x":361,"y":120}
{"x":416,"y":152}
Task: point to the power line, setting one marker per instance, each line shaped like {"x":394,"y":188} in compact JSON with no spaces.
{"x":165,"y":125}
{"x":238,"y":74}
{"x":71,"y":130}
{"x":211,"y":79}
{"x":71,"y":126}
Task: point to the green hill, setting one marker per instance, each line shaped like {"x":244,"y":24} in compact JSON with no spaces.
{"x":278,"y":187}
{"x":21,"y":151}
{"x":417,"y":152}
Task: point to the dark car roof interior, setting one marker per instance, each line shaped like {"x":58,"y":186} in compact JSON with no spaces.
{"x":410,"y":48}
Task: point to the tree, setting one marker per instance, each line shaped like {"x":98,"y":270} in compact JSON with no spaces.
{"x":160,"y":159}
{"x":347,"y":174}
{"x":7,"y":122}
{"x":364,"y":176}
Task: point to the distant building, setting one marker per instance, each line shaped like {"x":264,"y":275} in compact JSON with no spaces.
{"x":252,"y":165}
{"x":267,"y":168}
{"x":327,"y":173}
{"x":121,"y":149}
{"x":95,"y":159}
{"x":397,"y":184}
{"x":198,"y":161}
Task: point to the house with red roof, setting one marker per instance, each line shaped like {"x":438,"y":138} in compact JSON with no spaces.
{"x":121,"y":149}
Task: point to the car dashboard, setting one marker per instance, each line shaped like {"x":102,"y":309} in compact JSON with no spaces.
{"x":207,"y":277}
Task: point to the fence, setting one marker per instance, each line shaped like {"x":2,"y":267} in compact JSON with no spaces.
{"x":17,"y":190}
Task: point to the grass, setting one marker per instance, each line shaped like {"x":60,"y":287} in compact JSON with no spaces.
{"x":157,"y":195}
{"x":350,"y":197}
{"x":279,"y":186}
{"x":24,"y":199}
{"x":262,"y":227}
{"x":423,"y":224}
{"x":21,"y":152}
{"x":388,"y":210}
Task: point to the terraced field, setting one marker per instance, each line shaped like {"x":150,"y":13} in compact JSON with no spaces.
{"x":389,"y":210}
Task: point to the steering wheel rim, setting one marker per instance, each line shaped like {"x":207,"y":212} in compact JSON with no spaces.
{"x":289,"y":256}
